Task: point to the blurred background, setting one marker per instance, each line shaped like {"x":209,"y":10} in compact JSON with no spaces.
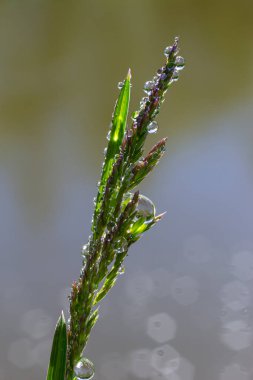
{"x":184,"y":308}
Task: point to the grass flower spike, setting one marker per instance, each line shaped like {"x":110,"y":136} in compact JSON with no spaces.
{"x":121,"y":214}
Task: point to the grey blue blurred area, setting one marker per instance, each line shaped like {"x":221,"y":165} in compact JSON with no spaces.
{"x":183,"y":310}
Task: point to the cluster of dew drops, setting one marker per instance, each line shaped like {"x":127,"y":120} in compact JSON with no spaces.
{"x":150,"y":85}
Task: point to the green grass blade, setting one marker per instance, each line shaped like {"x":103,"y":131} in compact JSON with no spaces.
{"x":57,"y":364}
{"x":118,"y":127}
{"x":118,"y":124}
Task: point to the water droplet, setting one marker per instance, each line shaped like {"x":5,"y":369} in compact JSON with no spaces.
{"x":148,"y":86}
{"x":168,"y":50}
{"x":121,"y":245}
{"x":84,"y":369}
{"x":120,"y":85}
{"x":163,"y":76}
{"x":160,"y":71}
{"x":129,"y":133}
{"x":145,"y":207}
{"x":85,"y":249}
{"x":179,"y":61}
{"x":105,"y":151}
{"x":152,"y":127}
{"x":175,"y":75}
{"x":134,"y":115}
{"x":108,"y":135}
{"x":121,"y":270}
{"x":144,"y":101}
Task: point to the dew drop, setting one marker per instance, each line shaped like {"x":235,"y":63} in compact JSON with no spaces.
{"x":85,"y":254}
{"x":168,"y":50}
{"x":120,"y":85}
{"x":148,"y":86}
{"x":84,"y":369}
{"x":144,"y":101}
{"x":129,"y":132}
{"x":85,"y":249}
{"x":108,"y":135}
{"x":121,"y":270}
{"x":152,"y":127}
{"x":175,"y":75}
{"x":145,"y":207}
{"x":134,"y":115}
{"x":122,"y":245}
{"x":179,"y":61}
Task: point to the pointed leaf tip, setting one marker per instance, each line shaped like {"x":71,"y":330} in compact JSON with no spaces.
{"x":160,"y":216}
{"x":129,"y":75}
{"x":57,"y":364}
